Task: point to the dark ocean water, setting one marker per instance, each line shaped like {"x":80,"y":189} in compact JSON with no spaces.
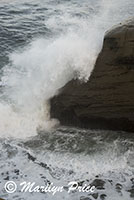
{"x":44,"y":44}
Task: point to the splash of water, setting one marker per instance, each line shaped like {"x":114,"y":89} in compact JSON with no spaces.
{"x":37,"y":72}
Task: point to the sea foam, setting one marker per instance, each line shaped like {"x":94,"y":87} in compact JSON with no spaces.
{"x":35,"y":73}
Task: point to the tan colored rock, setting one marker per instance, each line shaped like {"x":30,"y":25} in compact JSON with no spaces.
{"x":107,"y":99}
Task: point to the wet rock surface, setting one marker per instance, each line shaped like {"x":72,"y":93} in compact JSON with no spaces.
{"x":106,"y":100}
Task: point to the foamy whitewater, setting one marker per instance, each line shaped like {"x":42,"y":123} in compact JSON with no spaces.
{"x":43,"y":45}
{"x":37,"y":70}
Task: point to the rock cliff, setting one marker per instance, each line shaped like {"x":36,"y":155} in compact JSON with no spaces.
{"x":106,"y":101}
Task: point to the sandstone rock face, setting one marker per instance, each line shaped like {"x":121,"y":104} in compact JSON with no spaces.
{"x":107,"y":100}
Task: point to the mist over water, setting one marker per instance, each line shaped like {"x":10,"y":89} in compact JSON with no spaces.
{"x":67,"y":48}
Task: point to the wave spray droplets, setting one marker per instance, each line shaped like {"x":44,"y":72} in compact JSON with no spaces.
{"x":35,"y":73}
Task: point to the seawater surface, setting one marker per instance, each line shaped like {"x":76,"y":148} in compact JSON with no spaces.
{"x":43,"y":45}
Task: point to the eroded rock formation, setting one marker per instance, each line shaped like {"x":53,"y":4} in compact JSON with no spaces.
{"x":107,"y":100}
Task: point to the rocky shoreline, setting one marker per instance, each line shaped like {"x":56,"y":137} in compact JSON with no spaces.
{"x":106,"y":100}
